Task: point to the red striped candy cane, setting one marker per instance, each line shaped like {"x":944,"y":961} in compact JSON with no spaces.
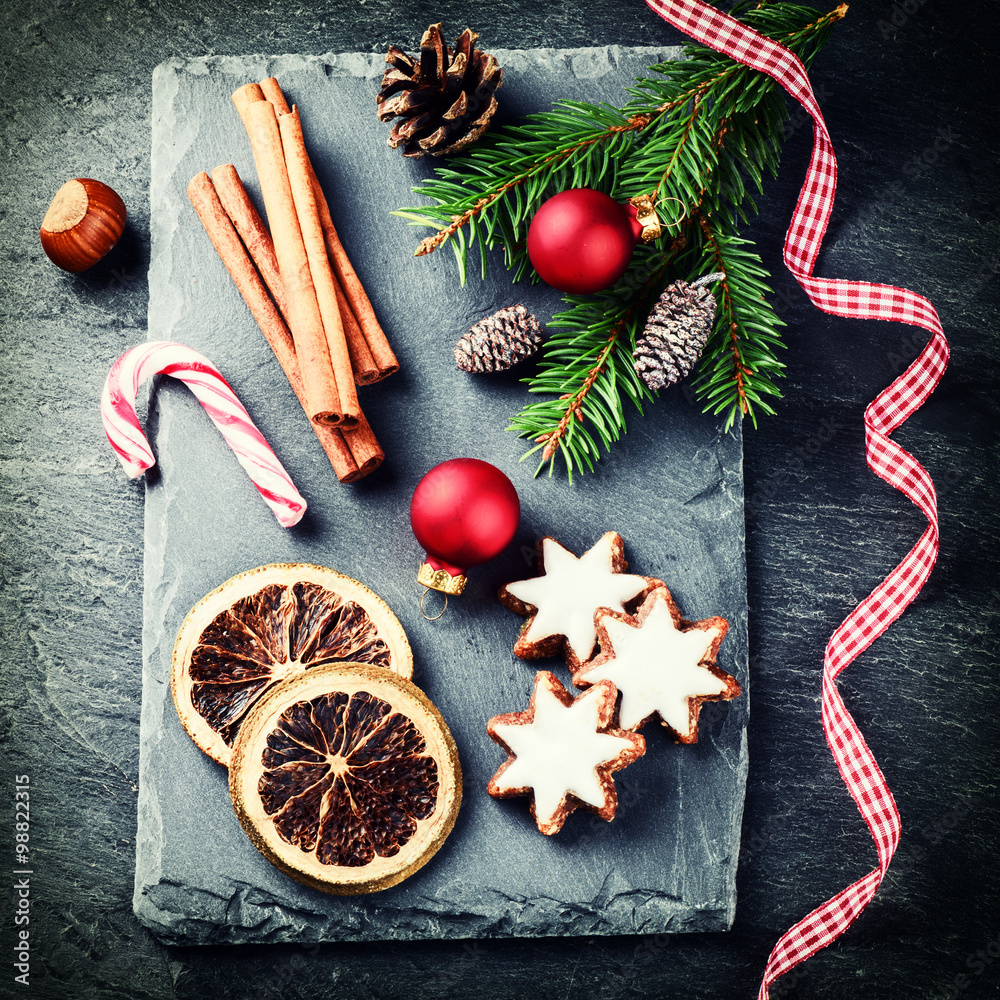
{"x":162,"y":357}
{"x":886,"y":459}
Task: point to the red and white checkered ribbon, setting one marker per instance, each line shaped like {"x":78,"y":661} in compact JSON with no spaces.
{"x":887,"y":459}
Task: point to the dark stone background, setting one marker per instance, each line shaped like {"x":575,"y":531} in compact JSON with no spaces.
{"x":909,"y":93}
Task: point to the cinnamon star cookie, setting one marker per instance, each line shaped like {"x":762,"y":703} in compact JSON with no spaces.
{"x":661,"y":664}
{"x":561,"y":603}
{"x":563,"y":751}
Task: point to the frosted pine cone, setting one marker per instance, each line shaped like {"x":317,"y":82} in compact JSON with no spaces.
{"x":499,"y":341}
{"x":675,"y":333}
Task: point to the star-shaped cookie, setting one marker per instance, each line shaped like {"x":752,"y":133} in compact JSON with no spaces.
{"x":563,"y":751}
{"x":561,"y":603}
{"x":661,"y":664}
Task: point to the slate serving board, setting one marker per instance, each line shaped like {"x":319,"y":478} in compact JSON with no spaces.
{"x":673,"y":489}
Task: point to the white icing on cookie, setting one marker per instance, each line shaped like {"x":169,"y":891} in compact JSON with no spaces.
{"x":572,"y":589}
{"x":656,"y":668}
{"x":558,"y":753}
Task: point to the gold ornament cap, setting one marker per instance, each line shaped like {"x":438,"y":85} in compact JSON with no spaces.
{"x":645,"y":215}
{"x":441,"y":579}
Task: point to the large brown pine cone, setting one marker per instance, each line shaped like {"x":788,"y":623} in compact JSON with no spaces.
{"x":446,"y":100}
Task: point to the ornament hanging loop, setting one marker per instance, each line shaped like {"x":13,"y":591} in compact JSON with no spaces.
{"x":680,"y":218}
{"x":707,"y":279}
{"x":432,"y":618}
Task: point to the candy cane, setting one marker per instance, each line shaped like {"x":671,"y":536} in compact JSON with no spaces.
{"x":162,"y":357}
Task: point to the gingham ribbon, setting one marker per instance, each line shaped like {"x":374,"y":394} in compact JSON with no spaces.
{"x":887,"y":459}
{"x":163,"y":357}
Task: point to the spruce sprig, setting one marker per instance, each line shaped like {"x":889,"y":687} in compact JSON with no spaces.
{"x":700,"y":134}
{"x":495,"y":190}
{"x":587,"y":369}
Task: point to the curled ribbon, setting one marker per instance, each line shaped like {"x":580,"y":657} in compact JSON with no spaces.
{"x":892,"y":407}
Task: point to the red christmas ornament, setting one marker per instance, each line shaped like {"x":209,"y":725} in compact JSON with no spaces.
{"x":464,"y":512}
{"x":581,"y":240}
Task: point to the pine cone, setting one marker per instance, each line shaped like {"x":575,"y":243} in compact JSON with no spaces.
{"x":446,"y":100}
{"x":499,"y":341}
{"x":675,"y":333}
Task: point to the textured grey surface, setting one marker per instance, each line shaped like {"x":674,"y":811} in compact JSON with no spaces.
{"x":908,"y":92}
{"x":668,"y":861}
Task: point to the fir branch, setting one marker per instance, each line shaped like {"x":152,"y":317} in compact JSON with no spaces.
{"x":548,"y":164}
{"x":515,"y":169}
{"x":728,"y":321}
{"x":506,"y":160}
{"x":700,"y":133}
{"x":587,"y":371}
{"x":575,"y":400}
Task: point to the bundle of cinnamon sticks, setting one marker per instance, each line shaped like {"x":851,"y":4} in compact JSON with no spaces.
{"x":296,"y":279}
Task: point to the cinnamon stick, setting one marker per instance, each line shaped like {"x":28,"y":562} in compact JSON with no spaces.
{"x":303,"y":314}
{"x":227,"y":243}
{"x":382,"y":353}
{"x":258,"y":242}
{"x":248,"y":94}
{"x":365,"y":370}
{"x":252,"y":231}
{"x":272,"y":92}
{"x":365,"y":449}
{"x":296,"y":164}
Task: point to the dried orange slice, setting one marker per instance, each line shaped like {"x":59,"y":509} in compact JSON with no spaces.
{"x":267,"y":624}
{"x":346,"y":778}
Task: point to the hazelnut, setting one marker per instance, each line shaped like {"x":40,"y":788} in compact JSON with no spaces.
{"x":84,"y":221}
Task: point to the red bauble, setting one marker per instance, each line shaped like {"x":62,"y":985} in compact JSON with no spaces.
{"x":464,"y":512}
{"x":581,"y":240}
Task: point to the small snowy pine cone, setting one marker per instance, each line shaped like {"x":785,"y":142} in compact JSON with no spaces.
{"x":675,"y":334}
{"x":499,"y":341}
